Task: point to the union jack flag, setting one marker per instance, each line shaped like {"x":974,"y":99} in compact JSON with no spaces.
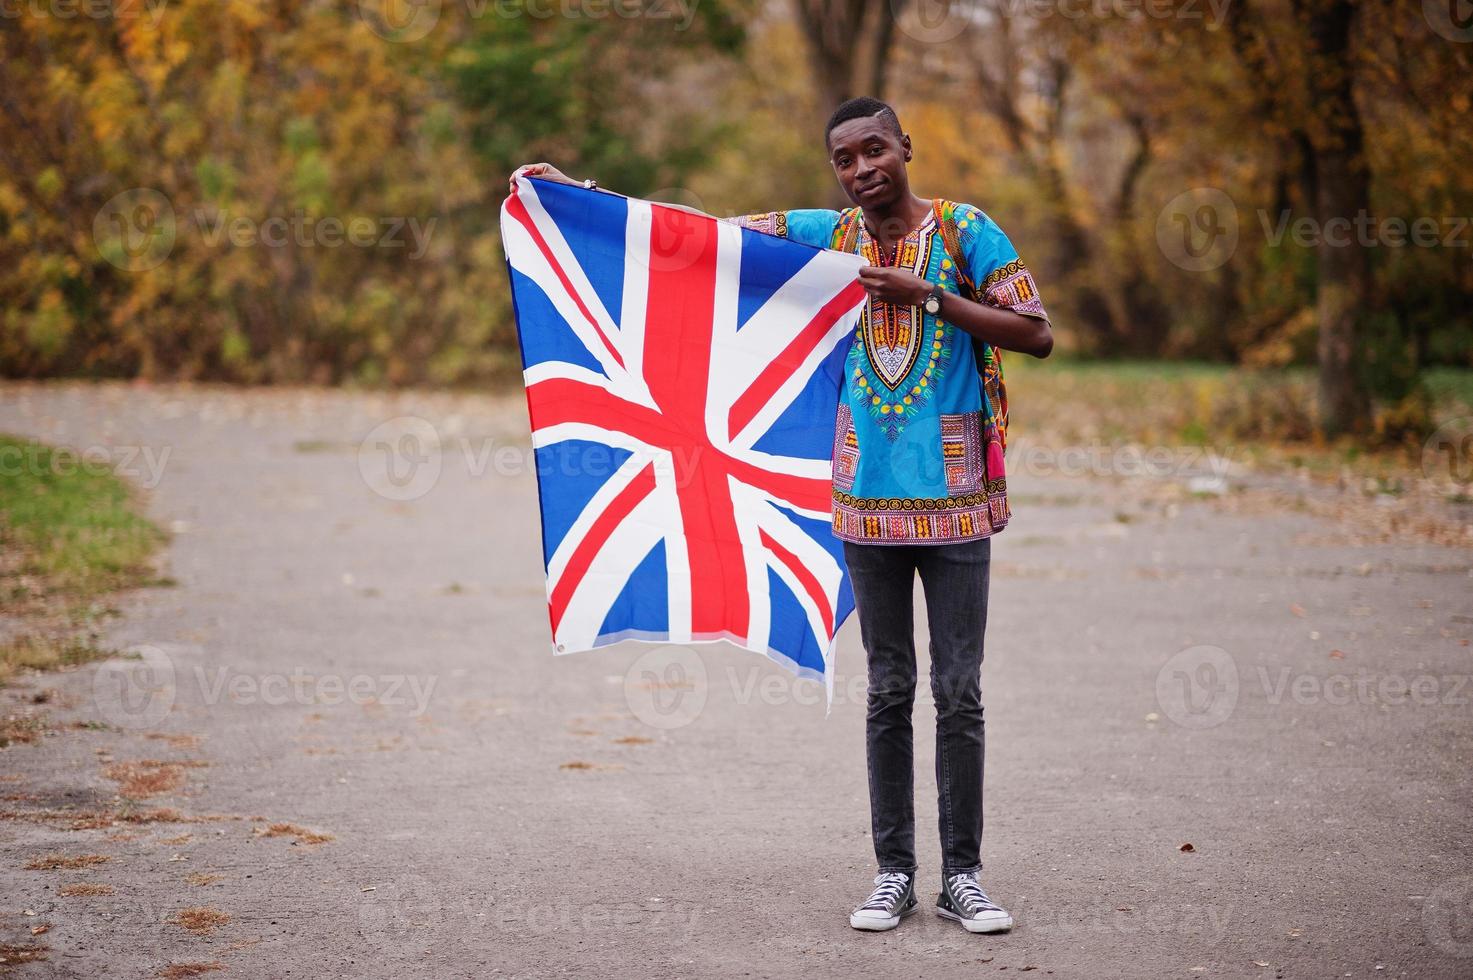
{"x":682,"y":378}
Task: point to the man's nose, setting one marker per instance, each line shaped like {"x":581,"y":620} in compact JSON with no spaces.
{"x":863,"y":168}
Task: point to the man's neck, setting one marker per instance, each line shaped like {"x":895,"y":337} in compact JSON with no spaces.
{"x":898,"y":220}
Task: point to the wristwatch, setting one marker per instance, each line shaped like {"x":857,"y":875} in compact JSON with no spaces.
{"x":933,"y":302}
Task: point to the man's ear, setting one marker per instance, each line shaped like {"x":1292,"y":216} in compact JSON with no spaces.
{"x":905,"y":145}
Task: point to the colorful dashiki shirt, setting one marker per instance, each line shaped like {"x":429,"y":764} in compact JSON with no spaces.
{"x":917,"y":458}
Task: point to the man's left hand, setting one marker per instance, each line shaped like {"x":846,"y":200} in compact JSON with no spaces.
{"x":890,"y":285}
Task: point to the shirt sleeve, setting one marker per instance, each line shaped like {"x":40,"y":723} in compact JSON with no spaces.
{"x":811,"y":226}
{"x":992,"y":262}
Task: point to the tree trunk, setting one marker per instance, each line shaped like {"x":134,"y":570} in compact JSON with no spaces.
{"x":1342,"y":194}
{"x":849,"y":40}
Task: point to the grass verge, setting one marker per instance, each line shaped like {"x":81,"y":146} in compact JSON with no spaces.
{"x":71,"y":532}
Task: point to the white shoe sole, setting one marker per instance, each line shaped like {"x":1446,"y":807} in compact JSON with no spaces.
{"x":996,"y":924}
{"x":869,"y":923}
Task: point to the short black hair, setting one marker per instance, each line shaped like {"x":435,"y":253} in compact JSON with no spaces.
{"x":864,"y":107}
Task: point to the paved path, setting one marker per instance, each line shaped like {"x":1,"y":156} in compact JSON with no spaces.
{"x":1158,"y":674}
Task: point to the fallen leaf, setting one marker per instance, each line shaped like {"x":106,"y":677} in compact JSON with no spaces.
{"x":40,"y":930}
{"x":1337,"y":654}
{"x":1296,"y":609}
{"x":1187,"y":847}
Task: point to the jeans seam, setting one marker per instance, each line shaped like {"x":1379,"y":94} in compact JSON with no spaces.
{"x":950,"y":817}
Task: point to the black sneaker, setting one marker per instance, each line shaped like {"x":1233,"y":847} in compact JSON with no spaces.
{"x":894,"y":898}
{"x":963,"y":900}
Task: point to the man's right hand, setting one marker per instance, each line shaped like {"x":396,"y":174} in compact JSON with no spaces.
{"x":545,"y":170}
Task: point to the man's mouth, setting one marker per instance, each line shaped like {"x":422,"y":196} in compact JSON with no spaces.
{"x":869,"y":188}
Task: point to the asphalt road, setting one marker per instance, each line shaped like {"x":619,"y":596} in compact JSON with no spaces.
{"x":362,"y":652}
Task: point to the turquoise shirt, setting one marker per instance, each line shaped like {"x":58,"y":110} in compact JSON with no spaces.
{"x":917,"y":459}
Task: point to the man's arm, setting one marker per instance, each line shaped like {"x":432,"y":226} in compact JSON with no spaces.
{"x":1001,"y":328}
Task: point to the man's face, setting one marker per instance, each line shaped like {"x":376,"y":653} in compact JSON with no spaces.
{"x":869,"y":160}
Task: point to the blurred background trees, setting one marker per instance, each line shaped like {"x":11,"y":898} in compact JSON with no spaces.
{"x":1174,"y":170}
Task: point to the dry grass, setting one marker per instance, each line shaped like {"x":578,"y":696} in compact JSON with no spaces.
{"x":64,"y":862}
{"x":177,"y":741}
{"x":16,"y":955}
{"x":200,"y":878}
{"x":149,"y":777}
{"x":84,"y":890}
{"x":200,"y":919}
{"x":633,"y":740}
{"x":93,"y":818}
{"x":178,"y":971}
{"x":102,"y":819}
{"x":37,"y":652}
{"x":1381,"y":488}
{"x":21,"y":729}
{"x":302,"y":835}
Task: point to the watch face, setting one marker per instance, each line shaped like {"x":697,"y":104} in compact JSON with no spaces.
{"x":933,"y":305}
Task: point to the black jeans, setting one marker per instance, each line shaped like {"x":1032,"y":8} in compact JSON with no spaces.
{"x":954,"y":577}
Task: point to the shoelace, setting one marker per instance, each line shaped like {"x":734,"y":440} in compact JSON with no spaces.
{"x":970,"y":894}
{"x":891,"y":887}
